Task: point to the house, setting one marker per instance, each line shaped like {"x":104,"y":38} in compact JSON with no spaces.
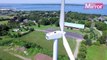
{"x":101,"y":18}
{"x":14,"y":19}
{"x":74,"y":25}
{"x":90,"y":19}
{"x":25,"y":20}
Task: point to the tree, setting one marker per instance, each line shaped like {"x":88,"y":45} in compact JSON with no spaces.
{"x":57,"y":23}
{"x":45,"y":21}
{"x":3,"y":30}
{"x":82,"y":56}
{"x":0,"y":38}
{"x":53,"y":20}
{"x":101,"y":26}
{"x":32,"y":29}
{"x":39,"y":23}
{"x":83,"y":48}
{"x":103,"y":38}
{"x":86,"y":36}
{"x":82,"y":51}
{"x":81,"y":21}
{"x":88,"y":24}
{"x":88,"y":42}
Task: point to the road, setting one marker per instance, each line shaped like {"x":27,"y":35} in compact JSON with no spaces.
{"x":68,"y":34}
{"x":19,"y":56}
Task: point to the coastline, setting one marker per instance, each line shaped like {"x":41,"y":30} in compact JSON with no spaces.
{"x":53,"y":7}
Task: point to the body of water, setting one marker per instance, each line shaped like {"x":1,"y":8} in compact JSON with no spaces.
{"x":54,"y":7}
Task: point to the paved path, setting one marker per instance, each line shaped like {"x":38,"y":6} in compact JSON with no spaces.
{"x":40,"y":30}
{"x":98,"y":31}
{"x":68,"y":34}
{"x":77,"y":48}
{"x":19,"y":56}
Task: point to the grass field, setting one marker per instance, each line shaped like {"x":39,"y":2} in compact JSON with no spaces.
{"x":39,"y":39}
{"x":6,"y":56}
{"x":97,"y":53}
{"x":42,"y":27}
{"x":106,"y":54}
{"x":4,"y":16}
{"x":3,"y":22}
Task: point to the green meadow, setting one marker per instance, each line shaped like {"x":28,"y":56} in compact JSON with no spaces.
{"x":97,"y":53}
{"x":3,"y":22}
{"x":39,"y":39}
{"x":4,"y":55}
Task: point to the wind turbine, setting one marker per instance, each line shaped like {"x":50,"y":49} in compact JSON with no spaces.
{"x":55,"y":35}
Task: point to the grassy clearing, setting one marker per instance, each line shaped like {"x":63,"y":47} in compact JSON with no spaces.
{"x":6,"y":56}
{"x":106,"y":54}
{"x":97,"y":53}
{"x":42,"y":27}
{"x":39,"y":39}
{"x":3,"y":22}
{"x":4,"y":16}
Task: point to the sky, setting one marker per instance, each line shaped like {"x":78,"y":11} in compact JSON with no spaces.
{"x":52,"y":1}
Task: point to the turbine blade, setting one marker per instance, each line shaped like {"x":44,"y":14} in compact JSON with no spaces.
{"x":67,"y":48}
{"x":61,"y":22}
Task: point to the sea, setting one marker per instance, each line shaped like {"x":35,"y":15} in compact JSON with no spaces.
{"x":54,"y":7}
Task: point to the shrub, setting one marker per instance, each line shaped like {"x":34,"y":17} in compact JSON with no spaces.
{"x":96,"y":43}
{"x":82,"y":51}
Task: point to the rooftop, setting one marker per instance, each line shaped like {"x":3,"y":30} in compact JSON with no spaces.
{"x":80,"y":26}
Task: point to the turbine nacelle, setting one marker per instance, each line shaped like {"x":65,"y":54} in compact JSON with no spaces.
{"x":54,"y":35}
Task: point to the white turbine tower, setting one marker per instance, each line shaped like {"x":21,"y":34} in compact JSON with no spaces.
{"x":55,"y":35}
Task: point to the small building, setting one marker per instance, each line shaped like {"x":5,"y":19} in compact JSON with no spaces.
{"x":15,"y":30}
{"x":101,"y":18}
{"x":34,"y":21}
{"x":74,"y":25}
{"x":25,"y":20}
